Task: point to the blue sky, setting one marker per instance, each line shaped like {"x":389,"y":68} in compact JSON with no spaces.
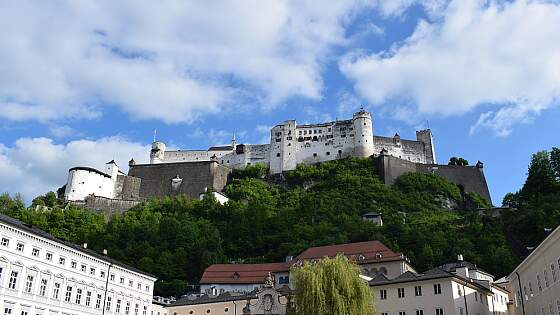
{"x":82,"y":83}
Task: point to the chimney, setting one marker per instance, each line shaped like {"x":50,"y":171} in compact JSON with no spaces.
{"x":85,"y":245}
{"x":461,"y":270}
{"x":105,"y":251}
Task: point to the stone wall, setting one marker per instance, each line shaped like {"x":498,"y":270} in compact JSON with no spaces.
{"x":469,"y":178}
{"x":169,"y":179}
{"x":106,"y":205}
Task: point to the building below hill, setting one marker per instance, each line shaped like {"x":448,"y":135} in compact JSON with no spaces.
{"x":373,"y":258}
{"x":455,"y":288}
{"x":535,"y":283}
{"x":42,"y":275}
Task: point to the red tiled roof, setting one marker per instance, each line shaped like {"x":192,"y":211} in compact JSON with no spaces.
{"x":241,"y":273}
{"x":372,"y":251}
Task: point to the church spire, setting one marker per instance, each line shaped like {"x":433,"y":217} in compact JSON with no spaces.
{"x":233,"y":141}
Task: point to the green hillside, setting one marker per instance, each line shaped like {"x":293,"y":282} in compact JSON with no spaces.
{"x":268,"y":219}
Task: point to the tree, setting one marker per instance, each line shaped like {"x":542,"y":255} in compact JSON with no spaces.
{"x":458,"y":161}
{"x":555,"y":162}
{"x":540,"y":177}
{"x":331,"y":286}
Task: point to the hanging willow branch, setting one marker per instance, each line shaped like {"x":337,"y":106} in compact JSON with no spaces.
{"x":331,"y":286}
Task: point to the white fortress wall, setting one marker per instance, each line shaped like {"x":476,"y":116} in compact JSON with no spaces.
{"x":84,"y":181}
{"x":185,"y":156}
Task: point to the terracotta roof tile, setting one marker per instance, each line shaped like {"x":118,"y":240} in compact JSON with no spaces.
{"x":372,"y":251}
{"x":241,"y":273}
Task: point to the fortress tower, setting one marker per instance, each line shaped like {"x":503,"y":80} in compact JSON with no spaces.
{"x":157,"y":153}
{"x":363,"y":139}
{"x":425,"y":136}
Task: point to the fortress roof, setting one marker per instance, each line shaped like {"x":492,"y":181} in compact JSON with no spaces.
{"x":221,"y":148}
{"x":89,"y":169}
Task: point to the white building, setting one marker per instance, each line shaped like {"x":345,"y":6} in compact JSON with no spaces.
{"x":535,"y":283}
{"x":85,"y":181}
{"x":42,"y":275}
{"x":458,"y":288}
{"x":292,"y":144}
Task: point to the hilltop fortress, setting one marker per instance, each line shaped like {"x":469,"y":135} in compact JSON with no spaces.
{"x":292,"y":144}
{"x":192,"y":172}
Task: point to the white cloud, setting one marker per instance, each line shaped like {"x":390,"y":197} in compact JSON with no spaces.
{"x":480,"y":53}
{"x":34,"y":166}
{"x":173,"y":60}
{"x":63,"y":131}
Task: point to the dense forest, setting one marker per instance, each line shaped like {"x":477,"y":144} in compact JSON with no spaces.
{"x":267,"y":219}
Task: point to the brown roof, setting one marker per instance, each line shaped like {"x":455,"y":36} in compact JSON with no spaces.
{"x":361,"y":253}
{"x":256,"y":273}
{"x":241,"y":273}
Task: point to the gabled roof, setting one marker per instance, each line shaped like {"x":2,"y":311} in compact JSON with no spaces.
{"x":241,"y":273}
{"x":361,"y":253}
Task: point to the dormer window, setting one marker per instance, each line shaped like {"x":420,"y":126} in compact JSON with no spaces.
{"x":235,"y":275}
{"x":378,"y":255}
{"x":361,"y":257}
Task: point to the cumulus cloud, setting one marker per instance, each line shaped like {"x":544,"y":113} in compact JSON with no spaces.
{"x":495,"y":54}
{"x":34,"y":166}
{"x":172,"y":60}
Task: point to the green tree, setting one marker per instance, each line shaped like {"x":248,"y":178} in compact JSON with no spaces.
{"x":458,"y":161}
{"x":331,"y":286}
{"x":555,"y":162}
{"x":540,"y":177}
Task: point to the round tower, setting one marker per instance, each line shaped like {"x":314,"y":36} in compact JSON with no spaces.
{"x":157,"y":153}
{"x":363,"y":138}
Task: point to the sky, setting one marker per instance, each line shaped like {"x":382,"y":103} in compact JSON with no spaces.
{"x":85,"y":82}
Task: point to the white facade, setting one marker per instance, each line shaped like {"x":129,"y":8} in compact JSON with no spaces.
{"x":535,"y":283}
{"x":85,"y":181}
{"x":222,"y":199}
{"x":40,"y":275}
{"x":442,"y":296}
{"x":292,"y":144}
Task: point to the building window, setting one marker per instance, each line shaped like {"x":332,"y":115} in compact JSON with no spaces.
{"x":328,"y":153}
{"x":139,"y":286}
{"x":88,"y":298}
{"x":122,"y":280}
{"x":83,"y":268}
{"x":127,"y":308}
{"x":92,"y":271}
{"x":437,"y":288}
{"x":108,"y":304}
{"x":13,"y":280}
{"x":136,"y":309}
{"x":400,"y":292}
{"x":5,"y":243}
{"x":147,"y":288}
{"x":118,"y":307}
{"x":98,"y":302}
{"x":277,"y":154}
{"x":29,"y":284}
{"x":419,"y":312}
{"x":130,"y":283}
{"x":68,"y":294}
{"x":43,"y":287}
{"x":62,"y":260}
{"x":102,"y":274}
{"x":545,"y":278}
{"x":418,"y":290}
{"x":439,"y":311}
{"x":402,"y":313}
{"x":382,"y":294}
{"x":314,"y":154}
{"x":48,"y":256}
{"x":112,"y":277}
{"x":78,"y":296}
{"x":539,"y":283}
{"x":553,"y":270}
{"x":56,"y":290}
{"x":73,"y":265}
{"x":24,"y":312}
{"x":145,"y":310}
{"x":19,"y":247}
{"x":459,"y":290}
{"x":7,"y":310}
{"x":35,"y":252}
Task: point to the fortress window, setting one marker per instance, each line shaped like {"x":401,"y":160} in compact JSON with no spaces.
{"x":305,"y":132}
{"x":328,"y":153}
{"x":314,"y":131}
{"x":320,"y":131}
{"x":351,"y":135}
{"x":343,"y":136}
{"x":329,"y":130}
{"x":277,"y":154}
{"x":339,"y":152}
{"x":315,"y":138}
{"x":278,"y":140}
{"x":289,"y":144}
{"x":299,"y":132}
{"x":364,"y":124}
{"x":314,"y":154}
{"x":300,"y":139}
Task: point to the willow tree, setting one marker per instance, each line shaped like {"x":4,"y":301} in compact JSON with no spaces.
{"x":331,"y":286}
